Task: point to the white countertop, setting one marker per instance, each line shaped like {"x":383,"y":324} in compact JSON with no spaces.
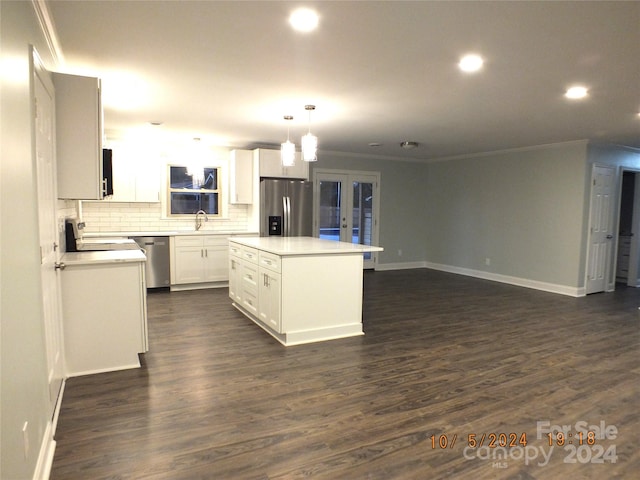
{"x":289,"y":246}
{"x":171,"y":233}
{"x":98,"y":257}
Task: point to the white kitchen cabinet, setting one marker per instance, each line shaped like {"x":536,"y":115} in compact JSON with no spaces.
{"x":104,"y":310}
{"x":134,"y":179}
{"x":297,"y":300}
{"x":199,"y":259}
{"x":249,"y":286}
{"x":241,"y":177}
{"x":269,"y":300}
{"x":270,"y":165}
{"x":235,"y":274}
{"x":79,"y":137}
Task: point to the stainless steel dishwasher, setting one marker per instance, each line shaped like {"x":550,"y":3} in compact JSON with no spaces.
{"x":158,"y":272}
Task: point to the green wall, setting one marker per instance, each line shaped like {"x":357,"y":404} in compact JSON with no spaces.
{"x":523,"y":210}
{"x":403,"y":225}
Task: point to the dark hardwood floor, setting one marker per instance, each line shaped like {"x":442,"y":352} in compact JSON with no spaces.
{"x":443,"y":357}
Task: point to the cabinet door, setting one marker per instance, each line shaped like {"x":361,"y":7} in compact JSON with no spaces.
{"x":235,"y":279}
{"x":189,"y":264}
{"x":241,"y":177}
{"x":269,"y":162}
{"x":269,"y":302}
{"x":78,"y":137}
{"x":147,"y":182}
{"x":299,"y":170}
{"x":216,"y":263}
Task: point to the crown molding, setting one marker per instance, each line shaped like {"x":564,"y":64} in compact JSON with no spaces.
{"x":49,"y":31}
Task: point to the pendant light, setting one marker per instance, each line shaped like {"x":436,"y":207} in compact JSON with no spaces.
{"x":309,"y":141}
{"x":288,"y":149}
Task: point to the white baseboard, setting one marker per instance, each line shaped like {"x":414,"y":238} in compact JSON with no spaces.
{"x":45,"y":457}
{"x":520,"y":282}
{"x":400,"y":266}
{"x":495,"y":277}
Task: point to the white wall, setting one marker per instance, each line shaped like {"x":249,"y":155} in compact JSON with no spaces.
{"x":23,"y":380}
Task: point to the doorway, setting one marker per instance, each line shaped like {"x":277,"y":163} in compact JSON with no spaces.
{"x":628,"y":255}
{"x":346,"y":208}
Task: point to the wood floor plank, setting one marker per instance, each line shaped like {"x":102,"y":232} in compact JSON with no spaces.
{"x":443,"y":356}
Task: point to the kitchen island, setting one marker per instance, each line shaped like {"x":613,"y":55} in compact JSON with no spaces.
{"x":298,"y":289}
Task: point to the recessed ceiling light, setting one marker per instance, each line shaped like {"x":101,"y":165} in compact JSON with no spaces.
{"x":576,"y":92}
{"x":377,"y":144}
{"x":471,"y":63}
{"x":304,"y":20}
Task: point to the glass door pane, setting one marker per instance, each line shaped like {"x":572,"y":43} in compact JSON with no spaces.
{"x":362,"y":215}
{"x":330,"y":210}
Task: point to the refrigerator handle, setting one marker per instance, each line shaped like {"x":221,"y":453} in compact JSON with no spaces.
{"x":288,"y":216}
{"x":285,"y":229}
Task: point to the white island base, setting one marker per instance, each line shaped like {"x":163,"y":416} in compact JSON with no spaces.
{"x":298,"y":289}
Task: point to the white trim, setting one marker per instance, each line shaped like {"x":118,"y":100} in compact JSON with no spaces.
{"x":521,"y":282}
{"x":495,"y":277}
{"x":104,"y":370}
{"x":45,"y":457}
{"x":49,"y":31}
{"x":400,"y":266}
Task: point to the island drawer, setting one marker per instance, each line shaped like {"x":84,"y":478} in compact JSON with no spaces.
{"x":270,"y":261}
{"x":235,"y":250}
{"x":250,"y":254}
{"x":250,"y":277}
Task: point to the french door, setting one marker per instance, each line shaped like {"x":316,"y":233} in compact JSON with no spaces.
{"x":346,"y":208}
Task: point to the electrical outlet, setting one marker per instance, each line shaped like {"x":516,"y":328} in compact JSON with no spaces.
{"x":487,"y":261}
{"x":399,"y":252}
{"x":25,"y":438}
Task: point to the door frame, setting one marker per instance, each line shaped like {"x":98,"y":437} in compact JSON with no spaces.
{"x":351,"y":176}
{"x":49,"y":253}
{"x":633,"y":277}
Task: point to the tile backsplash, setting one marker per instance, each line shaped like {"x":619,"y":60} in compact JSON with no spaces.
{"x":147,"y":217}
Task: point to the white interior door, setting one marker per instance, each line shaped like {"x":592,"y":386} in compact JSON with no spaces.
{"x":47,"y":198}
{"x":600,"y":229}
{"x":346,"y":206}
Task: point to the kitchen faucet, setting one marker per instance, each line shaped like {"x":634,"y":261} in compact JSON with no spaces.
{"x":199,"y":218}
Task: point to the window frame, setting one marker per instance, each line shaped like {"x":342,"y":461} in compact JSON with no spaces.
{"x":218,"y":191}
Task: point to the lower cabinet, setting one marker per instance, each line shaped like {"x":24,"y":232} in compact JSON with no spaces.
{"x":255,"y":284}
{"x":250,"y":287}
{"x":269,"y":299}
{"x":235,"y":278}
{"x":105,"y":316}
{"x":199,"y":259}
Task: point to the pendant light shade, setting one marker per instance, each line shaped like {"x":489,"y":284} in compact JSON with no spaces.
{"x":288,"y":149}
{"x":309,"y":142}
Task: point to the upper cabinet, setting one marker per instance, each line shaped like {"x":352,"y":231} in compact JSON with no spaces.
{"x":79,"y":137}
{"x":241,"y":177}
{"x":136,"y":177}
{"x":271,"y":165}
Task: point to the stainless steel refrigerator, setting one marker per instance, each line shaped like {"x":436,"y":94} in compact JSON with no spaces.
{"x":286,"y":208}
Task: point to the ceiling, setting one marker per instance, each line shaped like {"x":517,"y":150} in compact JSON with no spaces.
{"x":377,"y":72}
